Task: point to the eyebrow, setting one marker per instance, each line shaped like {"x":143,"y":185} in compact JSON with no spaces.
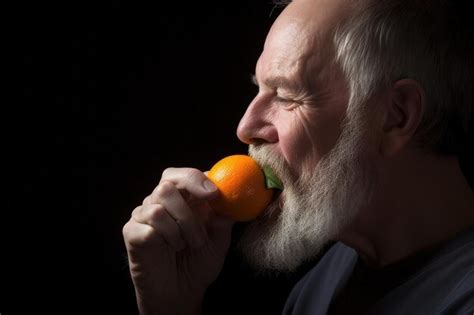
{"x":277,"y":82}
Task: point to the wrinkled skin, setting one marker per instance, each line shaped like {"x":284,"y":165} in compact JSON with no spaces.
{"x":176,"y":246}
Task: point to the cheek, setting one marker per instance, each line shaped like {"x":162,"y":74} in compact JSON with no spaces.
{"x":329,"y":130}
{"x":307,"y":136}
{"x":299,"y":140}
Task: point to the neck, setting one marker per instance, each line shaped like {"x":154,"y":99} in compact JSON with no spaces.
{"x":417,"y":205}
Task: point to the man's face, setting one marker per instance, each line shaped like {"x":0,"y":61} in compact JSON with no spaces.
{"x":294,"y":125}
{"x":302,"y":94}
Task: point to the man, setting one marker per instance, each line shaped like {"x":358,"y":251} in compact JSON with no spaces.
{"x":362,"y":110}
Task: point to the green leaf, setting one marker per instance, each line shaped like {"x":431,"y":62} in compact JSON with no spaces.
{"x":271,"y":180}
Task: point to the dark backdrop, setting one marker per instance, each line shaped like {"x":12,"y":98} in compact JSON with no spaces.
{"x":112,"y":93}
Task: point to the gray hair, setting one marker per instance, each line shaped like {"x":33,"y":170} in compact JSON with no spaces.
{"x":429,"y":41}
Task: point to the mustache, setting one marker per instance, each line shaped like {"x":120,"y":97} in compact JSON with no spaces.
{"x":266,"y":156}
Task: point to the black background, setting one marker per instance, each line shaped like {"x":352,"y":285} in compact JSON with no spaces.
{"x":112,"y":93}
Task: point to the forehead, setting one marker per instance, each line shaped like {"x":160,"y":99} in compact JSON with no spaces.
{"x":300,"y":39}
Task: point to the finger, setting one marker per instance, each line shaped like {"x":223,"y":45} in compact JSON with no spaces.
{"x":147,"y":200}
{"x":157,"y":217}
{"x":191,"y":227}
{"x":191,"y":180}
{"x":138,"y":235}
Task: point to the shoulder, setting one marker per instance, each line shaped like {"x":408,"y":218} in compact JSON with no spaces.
{"x":338,"y":258}
{"x":313,"y":293}
{"x":445,"y":285}
{"x":459,"y":299}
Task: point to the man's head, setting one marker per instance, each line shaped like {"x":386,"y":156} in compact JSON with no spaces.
{"x":429,"y":41}
{"x":344,"y":84}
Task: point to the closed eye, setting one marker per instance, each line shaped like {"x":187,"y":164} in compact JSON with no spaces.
{"x":282,"y":99}
{"x":286,"y":103}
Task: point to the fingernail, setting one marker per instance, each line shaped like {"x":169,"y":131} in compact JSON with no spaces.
{"x":209,"y":186}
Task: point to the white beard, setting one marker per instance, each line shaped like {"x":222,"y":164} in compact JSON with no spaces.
{"x":313,"y":207}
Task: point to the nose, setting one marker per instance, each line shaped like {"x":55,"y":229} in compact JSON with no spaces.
{"x":257,"y":125}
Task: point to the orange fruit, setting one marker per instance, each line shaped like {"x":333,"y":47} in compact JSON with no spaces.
{"x":241,"y":183}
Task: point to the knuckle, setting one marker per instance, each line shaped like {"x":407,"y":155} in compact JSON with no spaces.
{"x":180,"y":173}
{"x":137,"y":208}
{"x":167,"y":172}
{"x":156,"y":212}
{"x":148,"y":236}
{"x":126,"y":230}
{"x":146,"y":200}
{"x":165,"y":189}
{"x":136,"y":212}
{"x":144,"y":237}
{"x":194,"y":174}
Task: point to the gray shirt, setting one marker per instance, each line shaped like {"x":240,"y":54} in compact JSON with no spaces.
{"x":443,"y":285}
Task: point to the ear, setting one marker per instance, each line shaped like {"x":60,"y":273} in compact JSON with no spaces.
{"x":405,"y":107}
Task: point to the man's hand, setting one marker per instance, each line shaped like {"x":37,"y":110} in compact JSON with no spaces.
{"x":176,"y":245}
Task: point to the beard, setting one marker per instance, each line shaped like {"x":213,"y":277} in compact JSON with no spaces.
{"x":314,"y":207}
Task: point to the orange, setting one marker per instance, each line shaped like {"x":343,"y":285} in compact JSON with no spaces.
{"x":241,"y":183}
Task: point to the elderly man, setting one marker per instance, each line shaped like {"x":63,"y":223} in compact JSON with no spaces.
{"x":362,"y":110}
